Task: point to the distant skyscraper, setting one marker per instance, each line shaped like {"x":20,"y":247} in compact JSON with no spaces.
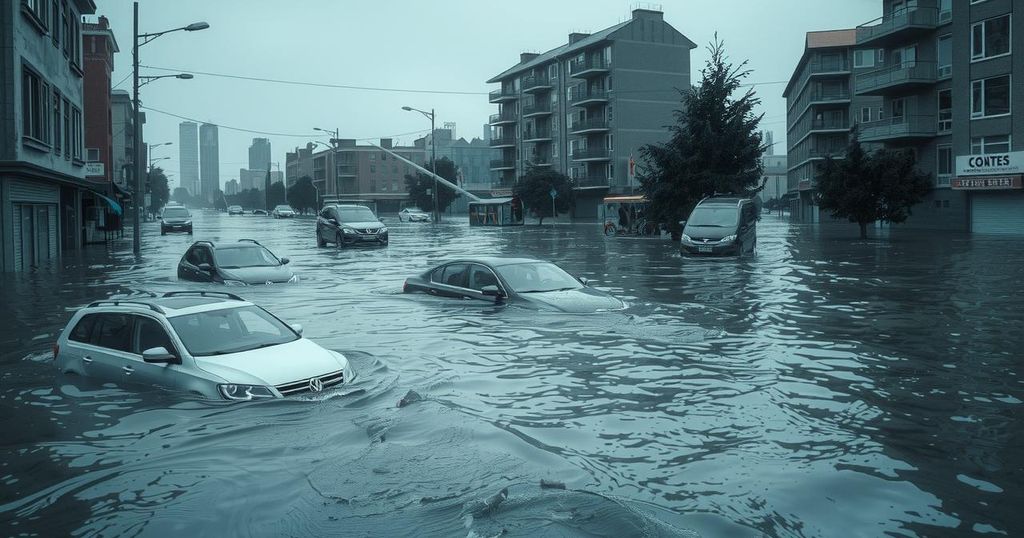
{"x":188,"y":156}
{"x":209,"y":160}
{"x":259,"y":154}
{"x":768,"y":139}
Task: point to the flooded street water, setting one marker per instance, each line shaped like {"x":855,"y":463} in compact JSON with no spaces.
{"x":825,"y":387}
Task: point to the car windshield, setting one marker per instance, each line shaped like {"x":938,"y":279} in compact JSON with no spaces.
{"x":175,"y":213}
{"x":537,"y":277}
{"x":356,"y":214}
{"x":283,"y":208}
{"x":235,"y":207}
{"x":248,"y":256}
{"x":717,"y":217}
{"x":414,"y":211}
{"x":230,"y":330}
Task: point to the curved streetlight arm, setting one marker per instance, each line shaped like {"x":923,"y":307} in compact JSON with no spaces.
{"x":146,"y":80}
{"x":429,"y":115}
{"x":146,"y":38}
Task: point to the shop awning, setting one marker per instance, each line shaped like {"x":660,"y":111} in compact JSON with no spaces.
{"x":120,"y":191}
{"x":114,"y":206}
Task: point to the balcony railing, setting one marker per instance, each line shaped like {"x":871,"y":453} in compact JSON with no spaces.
{"x":581,"y":96}
{"x":347,"y":170}
{"x":896,"y":77}
{"x":590,"y":66}
{"x":591,"y":182}
{"x":536,"y":135}
{"x":591,"y":124}
{"x":501,"y":96}
{"x":503,"y":141}
{"x":503,"y":117}
{"x":536,"y":109}
{"x":502,"y":164}
{"x":539,"y":160}
{"x":899,"y":22}
{"x":900,"y":127}
{"x":594,"y":154}
{"x":829,"y":124}
{"x":536,"y":83}
{"x":821,"y":153}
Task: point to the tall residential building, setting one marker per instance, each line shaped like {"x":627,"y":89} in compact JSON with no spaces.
{"x":209,"y":161}
{"x":354,"y":172}
{"x":259,"y":154}
{"x":472,"y":161}
{"x":821,"y":110}
{"x":560,"y":109}
{"x":944,"y":73}
{"x":188,"y":156}
{"x":123,"y":148}
{"x":775,"y":176}
{"x":43,"y":192}
{"x":298,"y":164}
{"x":231,"y":187}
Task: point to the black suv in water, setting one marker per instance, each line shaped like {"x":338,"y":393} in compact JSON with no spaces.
{"x":175,"y":219}
{"x":348,"y":225}
{"x":721,"y":226}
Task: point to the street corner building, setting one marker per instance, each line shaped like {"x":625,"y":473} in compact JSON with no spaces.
{"x":44,"y":193}
{"x":932,"y":76}
{"x":586,"y":107}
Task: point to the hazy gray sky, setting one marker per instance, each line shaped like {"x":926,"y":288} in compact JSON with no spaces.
{"x":448,"y":45}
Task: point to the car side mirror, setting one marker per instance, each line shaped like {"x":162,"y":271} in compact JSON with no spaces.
{"x":285,"y":261}
{"x":158,"y":355}
{"x":492,"y":291}
{"x":583,"y":280}
{"x":205,"y":267}
{"x":297,"y":327}
{"x":333,"y":221}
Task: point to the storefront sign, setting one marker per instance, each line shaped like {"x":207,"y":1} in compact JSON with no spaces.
{"x":991,"y":164}
{"x":991,"y":183}
{"x":94,"y":169}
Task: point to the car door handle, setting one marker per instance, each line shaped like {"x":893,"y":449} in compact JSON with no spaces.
{"x":87,"y":360}
{"x":128,"y":370}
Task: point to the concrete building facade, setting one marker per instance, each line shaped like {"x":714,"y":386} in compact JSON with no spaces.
{"x":259,"y":154}
{"x":42,"y":151}
{"x":123,"y":140}
{"x":209,"y":161}
{"x":188,"y":156}
{"x":99,"y":47}
{"x":472,"y":159}
{"x":364,"y":172}
{"x":586,"y":107}
{"x":231,"y":187}
{"x":298,"y":164}
{"x":943,"y":71}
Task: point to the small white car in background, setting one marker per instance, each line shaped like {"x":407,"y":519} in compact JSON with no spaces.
{"x":283,"y":212}
{"x":235,"y":210}
{"x":212,"y":344}
{"x":411,"y":214}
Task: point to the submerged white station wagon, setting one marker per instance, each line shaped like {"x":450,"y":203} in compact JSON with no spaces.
{"x":212,"y":344}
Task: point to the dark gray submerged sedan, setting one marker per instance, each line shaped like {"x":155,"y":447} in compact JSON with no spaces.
{"x":518,"y":281}
{"x":236,"y":264}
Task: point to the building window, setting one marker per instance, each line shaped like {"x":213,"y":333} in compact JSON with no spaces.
{"x":57,"y":131}
{"x":34,"y":110}
{"x":65,"y":27}
{"x":92,"y":154}
{"x":944,"y":167}
{"x":898,"y":108}
{"x":76,"y":133}
{"x":373,"y":169}
{"x":880,"y":57}
{"x":945,"y":110}
{"x":865,"y":114}
{"x":38,"y":10}
{"x":610,"y":146}
{"x":55,"y":23}
{"x":945,"y":56}
{"x":67,"y":129}
{"x":990,"y":97}
{"x":373,"y":156}
{"x":990,"y":38}
{"x":985,"y":145}
{"x":945,"y":10}
{"x":864,"y":58}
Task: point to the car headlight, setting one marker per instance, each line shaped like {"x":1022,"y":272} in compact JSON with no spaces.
{"x":347,"y":372}
{"x":382,"y":231}
{"x":234,"y":283}
{"x":187,"y":223}
{"x":245,"y":392}
{"x":687,"y":239}
{"x":294,"y":278}
{"x":728,"y":239}
{"x":348,"y":230}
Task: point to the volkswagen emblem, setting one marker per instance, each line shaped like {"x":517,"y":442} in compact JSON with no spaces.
{"x":316,"y":385}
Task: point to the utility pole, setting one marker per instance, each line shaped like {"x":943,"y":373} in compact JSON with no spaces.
{"x":433,"y":165}
{"x":137,"y":196}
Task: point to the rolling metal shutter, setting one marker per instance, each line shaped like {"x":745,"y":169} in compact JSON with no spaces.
{"x":16,"y":213}
{"x":26,"y":191}
{"x":997,"y":212}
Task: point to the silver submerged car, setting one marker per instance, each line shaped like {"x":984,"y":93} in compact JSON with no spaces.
{"x":212,"y":344}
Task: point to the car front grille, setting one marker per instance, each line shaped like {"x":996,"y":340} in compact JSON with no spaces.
{"x":367,"y":231}
{"x":302,"y":385}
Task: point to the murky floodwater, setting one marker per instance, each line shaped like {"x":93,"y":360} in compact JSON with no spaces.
{"x":824,"y":387}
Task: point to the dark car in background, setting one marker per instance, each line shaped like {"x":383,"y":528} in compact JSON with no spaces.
{"x":243,"y":263}
{"x":175,"y":219}
{"x":349,"y":225}
{"x":723,"y":226}
{"x":520,"y":281}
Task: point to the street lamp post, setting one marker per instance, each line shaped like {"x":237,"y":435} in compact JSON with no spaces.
{"x":137,"y":128}
{"x":433,"y":155}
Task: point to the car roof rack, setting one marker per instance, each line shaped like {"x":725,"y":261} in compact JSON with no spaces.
{"x":118,"y":302}
{"x":204,"y":242}
{"x":225,"y":294}
{"x":250,"y":240}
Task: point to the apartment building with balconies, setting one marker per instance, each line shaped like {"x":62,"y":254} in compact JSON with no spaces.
{"x":821,"y":110}
{"x":585,"y":107}
{"x":944,"y":72}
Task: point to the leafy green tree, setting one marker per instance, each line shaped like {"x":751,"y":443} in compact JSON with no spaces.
{"x":714,"y":147}
{"x":158,"y":190}
{"x":420,"y":186}
{"x":276,"y":195}
{"x":534,"y":189}
{"x":864,"y":188}
{"x":302,"y":195}
{"x":248,"y":199}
